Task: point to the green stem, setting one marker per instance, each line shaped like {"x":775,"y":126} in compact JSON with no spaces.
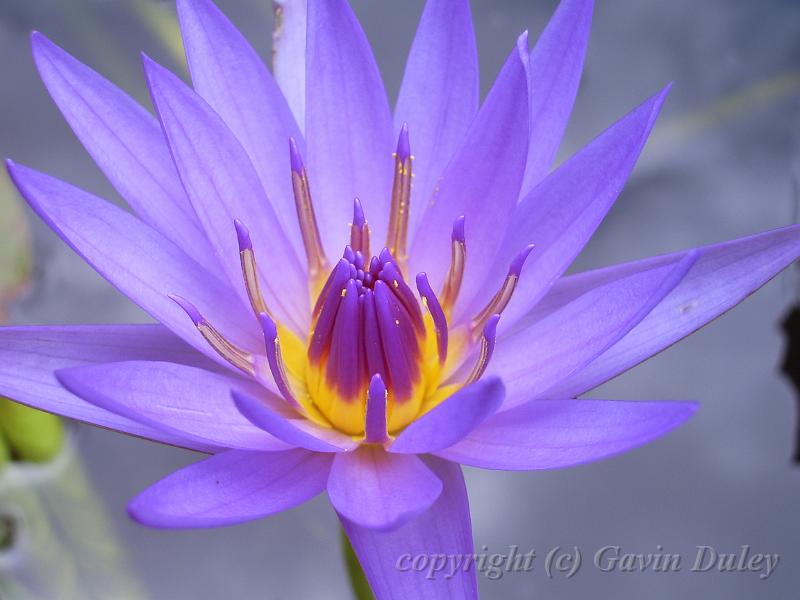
{"x":358,"y":581}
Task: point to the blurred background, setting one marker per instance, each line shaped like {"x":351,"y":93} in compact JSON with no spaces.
{"x":723,"y":162}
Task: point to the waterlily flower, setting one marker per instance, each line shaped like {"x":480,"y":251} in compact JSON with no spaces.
{"x":354,"y":300}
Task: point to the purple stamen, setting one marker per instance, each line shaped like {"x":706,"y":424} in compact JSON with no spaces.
{"x":403,"y":145}
{"x":391,"y":275}
{"x":376,"y":423}
{"x":397,"y":235}
{"x":359,"y":220}
{"x":275,"y":360}
{"x":399,"y":342}
{"x":458,"y":260}
{"x":457,"y":234}
{"x":326,"y":308}
{"x":503,"y":296}
{"x":519,"y":261}
{"x":189,"y":308}
{"x":437,"y":314}
{"x":373,"y":348}
{"x":359,"y":229}
{"x":345,"y":369}
{"x":239,"y":358}
{"x":488,"y":340}
{"x":247,"y":259}
{"x":307,"y":219}
{"x":242,"y":236}
{"x":295,"y":160}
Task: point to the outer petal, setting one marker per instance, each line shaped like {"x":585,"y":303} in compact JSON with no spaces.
{"x":136,"y":259}
{"x":290,"y":427}
{"x":556,"y":66}
{"x":29,"y":357}
{"x":223,"y":185}
{"x":551,"y":434}
{"x":563,"y":211}
{"x":451,"y":420}
{"x":127,"y":143}
{"x":443,"y":530}
{"x":439,"y":94}
{"x":185,"y":401}
{"x":379,"y":490}
{"x":289,"y":54}
{"x":535,"y":358}
{"x":228,"y":73}
{"x":724,"y":275}
{"x":232,"y":487}
{"x":348,"y":125}
{"x":482,"y":182}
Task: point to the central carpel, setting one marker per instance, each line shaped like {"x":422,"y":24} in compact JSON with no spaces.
{"x":366,"y":322}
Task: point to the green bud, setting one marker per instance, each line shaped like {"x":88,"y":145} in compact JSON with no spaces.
{"x":31,"y":435}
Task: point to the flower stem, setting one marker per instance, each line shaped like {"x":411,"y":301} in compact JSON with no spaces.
{"x":358,"y":581}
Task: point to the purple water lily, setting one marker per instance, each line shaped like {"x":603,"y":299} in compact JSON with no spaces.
{"x":353,"y":300}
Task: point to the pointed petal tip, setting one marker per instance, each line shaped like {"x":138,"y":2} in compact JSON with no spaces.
{"x":189,"y":308}
{"x":523,"y":48}
{"x":242,"y":236}
{"x":39,"y":40}
{"x":152,"y":70}
{"x":659,"y":98}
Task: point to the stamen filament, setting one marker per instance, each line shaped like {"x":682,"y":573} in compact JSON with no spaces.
{"x":503,"y":296}
{"x":376,"y":422}
{"x":488,"y":340}
{"x":241,"y":359}
{"x":458,"y":259}
{"x":437,"y":314}
{"x":275,"y":360}
{"x":397,"y":236}
{"x":359,"y":230}
{"x":317,"y":261}
{"x":249,"y":269}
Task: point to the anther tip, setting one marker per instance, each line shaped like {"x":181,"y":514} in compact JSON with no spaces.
{"x":189,"y":308}
{"x":268,"y":326}
{"x":458,"y":230}
{"x":359,"y":220}
{"x":385,"y":256}
{"x":490,"y":329}
{"x":377,"y":389}
{"x":242,"y":236}
{"x":519,"y":261}
{"x":403,"y":144}
{"x":294,"y":157}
